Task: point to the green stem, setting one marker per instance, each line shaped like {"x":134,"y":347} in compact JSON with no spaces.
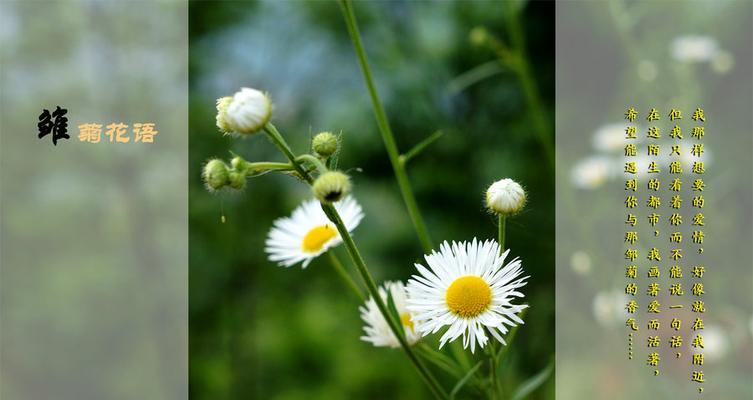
{"x":495,"y":392}
{"x":340,"y":269}
{"x":385,"y":130}
{"x":395,"y":326}
{"x":355,"y":255}
{"x":314,"y":161}
{"x":268,"y":166}
{"x":501,"y":236}
{"x":530,"y":88}
{"x":417,"y":149}
{"x":279,"y":141}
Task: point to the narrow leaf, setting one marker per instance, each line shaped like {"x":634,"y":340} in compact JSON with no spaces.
{"x":474,"y":75}
{"x":464,"y":380}
{"x":503,"y":352}
{"x":417,"y":149}
{"x":533,"y":383}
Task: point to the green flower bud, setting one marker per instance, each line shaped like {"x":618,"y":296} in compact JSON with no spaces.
{"x":331,"y":186}
{"x":215,"y":174}
{"x":237,"y":179}
{"x":239,"y":164}
{"x":222,"y":104}
{"x":325,"y":144}
{"x":478,"y":36}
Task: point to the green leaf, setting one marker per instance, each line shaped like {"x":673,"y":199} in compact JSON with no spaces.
{"x":503,"y":352}
{"x":533,"y":383}
{"x":474,"y":76}
{"x":439,"y":360}
{"x":464,"y":380}
{"x":417,"y":149}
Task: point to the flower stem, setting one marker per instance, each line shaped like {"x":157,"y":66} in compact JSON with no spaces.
{"x":395,"y":326}
{"x":355,"y":255}
{"x":530,"y":88}
{"x":494,"y":388}
{"x":281,"y":144}
{"x":501,"y":236}
{"x":340,"y":269}
{"x":384,"y":128}
{"x":314,"y":161}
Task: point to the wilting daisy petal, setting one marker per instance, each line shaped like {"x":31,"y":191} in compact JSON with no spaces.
{"x":377,"y":331}
{"x":308,"y":232}
{"x":468,"y":288}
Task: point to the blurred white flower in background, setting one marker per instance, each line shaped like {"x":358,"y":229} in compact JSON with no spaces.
{"x":687,"y":158}
{"x":647,"y":70}
{"x":593,"y":171}
{"x":609,"y":308}
{"x":715,"y":344}
{"x":580,"y":262}
{"x":723,"y":62}
{"x":694,"y":48}
{"x":610,"y":137}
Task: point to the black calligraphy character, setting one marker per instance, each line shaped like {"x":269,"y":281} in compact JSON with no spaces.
{"x":58,"y":127}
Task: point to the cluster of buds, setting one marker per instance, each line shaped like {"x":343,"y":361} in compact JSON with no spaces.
{"x":249,"y":111}
{"x":218,"y":175}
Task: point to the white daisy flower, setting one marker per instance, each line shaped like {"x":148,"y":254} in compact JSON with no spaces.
{"x":377,"y":329}
{"x":608,"y":307}
{"x":694,"y":48}
{"x":468,"y":288}
{"x":610,"y":138}
{"x":308,"y":232}
{"x":593,"y":171}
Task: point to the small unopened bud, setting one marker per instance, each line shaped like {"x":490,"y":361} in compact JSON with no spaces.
{"x":236,"y":179}
{"x":324,"y":144}
{"x":215,"y":174}
{"x":222,"y":104}
{"x":331,"y":186}
{"x":246,"y":112}
{"x":239,"y":164}
{"x":478,"y":36}
{"x":505,"y":197}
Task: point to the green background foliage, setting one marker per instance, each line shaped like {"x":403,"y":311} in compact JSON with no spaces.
{"x":261,"y":331}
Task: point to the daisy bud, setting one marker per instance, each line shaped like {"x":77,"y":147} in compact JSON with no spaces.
{"x":331,"y":186}
{"x":247,"y":112}
{"x":215,"y":174}
{"x":236,"y":179}
{"x":478,"y":36}
{"x":239,"y":164}
{"x":324,"y":144}
{"x":222,"y":104}
{"x":505,"y":197}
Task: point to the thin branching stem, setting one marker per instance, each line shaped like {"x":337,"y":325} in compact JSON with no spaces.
{"x":340,"y":269}
{"x":384,"y":128}
{"x":360,"y":264}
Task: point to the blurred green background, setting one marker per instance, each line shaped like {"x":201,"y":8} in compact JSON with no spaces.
{"x":261,"y":331}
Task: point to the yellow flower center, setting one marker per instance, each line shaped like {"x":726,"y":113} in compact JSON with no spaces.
{"x":316,"y":238}
{"x":468,"y":296}
{"x":405,"y":319}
